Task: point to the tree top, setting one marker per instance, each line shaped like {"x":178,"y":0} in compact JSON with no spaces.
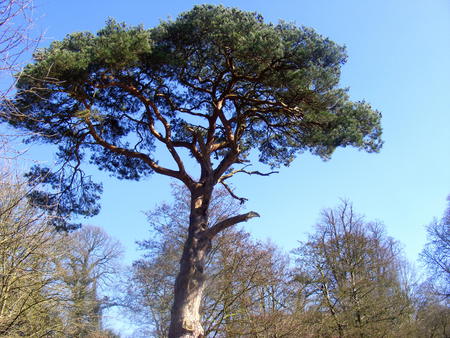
{"x":217,"y":82}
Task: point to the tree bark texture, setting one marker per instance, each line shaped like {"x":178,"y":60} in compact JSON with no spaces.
{"x":190,"y":282}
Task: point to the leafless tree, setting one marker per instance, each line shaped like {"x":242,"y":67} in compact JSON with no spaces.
{"x":436,"y":254}
{"x":29,"y":246}
{"x":432,"y":316}
{"x":89,"y":264}
{"x":352,"y":271}
{"x":16,"y":36}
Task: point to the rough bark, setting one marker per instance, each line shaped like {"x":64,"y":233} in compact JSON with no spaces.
{"x":190,"y":282}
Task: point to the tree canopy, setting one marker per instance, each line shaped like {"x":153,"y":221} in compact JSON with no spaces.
{"x":216,"y":82}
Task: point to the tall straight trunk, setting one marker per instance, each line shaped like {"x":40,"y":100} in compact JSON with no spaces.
{"x":190,"y":282}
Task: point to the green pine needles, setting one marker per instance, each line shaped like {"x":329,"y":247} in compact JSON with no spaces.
{"x":217,"y":82}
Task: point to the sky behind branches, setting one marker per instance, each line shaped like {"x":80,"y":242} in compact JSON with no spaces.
{"x":398,"y":61}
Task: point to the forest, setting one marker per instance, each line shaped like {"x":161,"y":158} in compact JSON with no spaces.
{"x":214,"y":95}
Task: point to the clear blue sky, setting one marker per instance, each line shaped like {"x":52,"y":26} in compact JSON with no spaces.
{"x":399,"y":61}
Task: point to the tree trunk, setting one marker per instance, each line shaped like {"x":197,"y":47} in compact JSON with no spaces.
{"x":190,"y":282}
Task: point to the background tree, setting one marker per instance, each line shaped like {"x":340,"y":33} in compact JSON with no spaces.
{"x":16,"y":40}
{"x":87,"y":267}
{"x":16,"y":37}
{"x":216,"y":82}
{"x":248,"y":283}
{"x":29,"y":291}
{"x":49,"y":281}
{"x":352,"y":271}
{"x":436,"y":254}
{"x":432,"y":314}
{"x":250,"y":295}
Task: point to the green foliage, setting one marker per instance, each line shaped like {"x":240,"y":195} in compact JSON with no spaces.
{"x":82,"y":197}
{"x":284,"y":81}
{"x":221,"y":82}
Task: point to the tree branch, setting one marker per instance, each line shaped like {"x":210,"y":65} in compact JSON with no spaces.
{"x":133,"y":154}
{"x":255,"y":172}
{"x":167,"y":138}
{"x":220,"y":226}
{"x":241,"y":200}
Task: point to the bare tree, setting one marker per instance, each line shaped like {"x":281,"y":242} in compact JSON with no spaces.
{"x":352,"y":271}
{"x":17,"y":38}
{"x":436,"y":254}
{"x":432,"y":316}
{"x":29,"y":292}
{"x":89,"y":264}
{"x":16,"y":21}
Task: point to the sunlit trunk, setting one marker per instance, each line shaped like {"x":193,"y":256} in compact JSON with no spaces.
{"x":190,"y":282}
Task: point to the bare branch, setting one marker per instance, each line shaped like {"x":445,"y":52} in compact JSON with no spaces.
{"x":242,"y":170}
{"x":218,"y":227}
{"x":16,"y":20}
{"x":241,"y":200}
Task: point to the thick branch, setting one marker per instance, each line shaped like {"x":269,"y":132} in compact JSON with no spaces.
{"x":225,"y":123}
{"x":167,"y":139}
{"x":218,"y":227}
{"x":134,"y":154}
{"x":227,"y":161}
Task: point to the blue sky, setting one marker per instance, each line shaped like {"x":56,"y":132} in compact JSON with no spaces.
{"x":398,"y":61}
